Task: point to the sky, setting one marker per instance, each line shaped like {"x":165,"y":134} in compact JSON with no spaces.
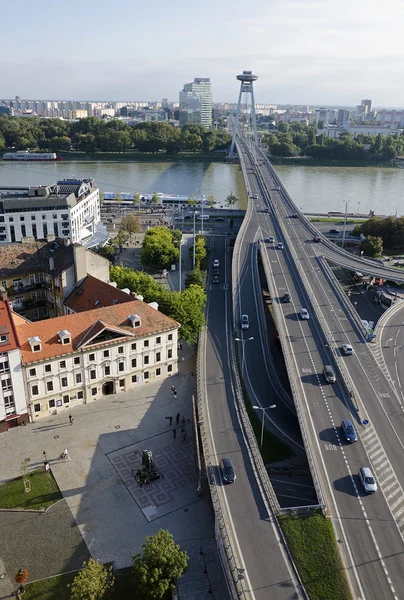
{"x":321,"y":52}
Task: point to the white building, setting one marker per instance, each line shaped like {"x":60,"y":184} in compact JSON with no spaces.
{"x":81,"y":357}
{"x":69,"y":209}
{"x":202,"y":87}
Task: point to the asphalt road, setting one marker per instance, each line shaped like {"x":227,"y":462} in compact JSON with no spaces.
{"x":268,"y":574}
{"x":391,"y":347}
{"x":369,"y":527}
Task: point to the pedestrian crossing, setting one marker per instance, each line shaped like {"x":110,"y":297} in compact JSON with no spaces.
{"x":385,"y":475}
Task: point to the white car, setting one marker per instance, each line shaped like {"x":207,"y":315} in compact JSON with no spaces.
{"x":271,"y":239}
{"x":245,"y":322}
{"x":216,"y":264}
{"x":255,"y":196}
{"x":347,"y":349}
{"x":367,"y":480}
{"x":280,"y":246}
{"x":304,"y":314}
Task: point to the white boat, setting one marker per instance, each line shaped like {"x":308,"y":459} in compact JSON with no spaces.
{"x":23,"y":155}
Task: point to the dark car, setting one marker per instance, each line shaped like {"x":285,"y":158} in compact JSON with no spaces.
{"x":218,"y":219}
{"x":317,"y":239}
{"x":336,"y":231}
{"x":349,"y":431}
{"x":187,"y":217}
{"x":227,"y":470}
{"x":216,"y":272}
{"x":216,"y":279}
{"x":287,"y":297}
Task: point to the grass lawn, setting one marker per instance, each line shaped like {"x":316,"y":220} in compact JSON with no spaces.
{"x":44,"y":492}
{"x":311,"y":540}
{"x":334,"y":220}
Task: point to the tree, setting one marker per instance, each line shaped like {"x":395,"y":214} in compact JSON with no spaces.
{"x":200,"y":250}
{"x":211,"y":200}
{"x":131,"y":224}
{"x":119,"y":239}
{"x":155,"y":198}
{"x":157,"y":569}
{"x":137,"y":198}
{"x":108,"y":252}
{"x":231,"y":199}
{"x":186,"y":307}
{"x":158,"y":248}
{"x":92,"y":582}
{"x":192,"y":200}
{"x":118,"y":198}
{"x":372,"y":246}
{"x":196,"y":277}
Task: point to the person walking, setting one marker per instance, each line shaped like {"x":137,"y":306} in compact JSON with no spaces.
{"x":175,"y":395}
{"x":71,"y":419}
{"x":174,"y":433}
{"x":177,"y":418}
{"x":66,"y":454}
{"x":184,"y":434}
{"x":183,"y":421}
{"x":172,"y":389}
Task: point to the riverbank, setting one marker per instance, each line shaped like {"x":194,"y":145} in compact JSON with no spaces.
{"x":307,"y":162}
{"x":142,"y":157}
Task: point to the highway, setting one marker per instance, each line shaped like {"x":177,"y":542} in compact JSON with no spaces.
{"x":256,"y":543}
{"x":370,"y":528}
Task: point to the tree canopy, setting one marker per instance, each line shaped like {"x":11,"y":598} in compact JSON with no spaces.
{"x":92,"y":582}
{"x":158,"y":248}
{"x":390,"y":230}
{"x":372,"y":246}
{"x":131,"y":224}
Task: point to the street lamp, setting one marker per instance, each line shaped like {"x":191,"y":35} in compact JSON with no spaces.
{"x":243,"y":359}
{"x":263,"y":419}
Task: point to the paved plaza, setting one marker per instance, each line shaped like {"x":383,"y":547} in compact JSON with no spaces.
{"x":106,"y":506}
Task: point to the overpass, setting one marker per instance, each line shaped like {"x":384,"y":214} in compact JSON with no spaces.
{"x":370,"y":529}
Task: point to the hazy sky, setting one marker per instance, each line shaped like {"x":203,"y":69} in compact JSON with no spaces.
{"x":304,"y":51}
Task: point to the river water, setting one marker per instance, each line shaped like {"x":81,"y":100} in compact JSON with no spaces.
{"x":314,"y":189}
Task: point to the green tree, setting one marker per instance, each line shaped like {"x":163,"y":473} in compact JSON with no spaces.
{"x":119,"y":239}
{"x":157,"y":569}
{"x":200,"y":250}
{"x":155,"y":198}
{"x":131,"y":224}
{"x":186,"y":307}
{"x":92,"y":582}
{"x":60,"y":143}
{"x":108,"y":252}
{"x":196,"y":277}
{"x":158,"y":248}
{"x":372,"y":246}
{"x":192,"y":200}
{"x":137,"y":198}
{"x":231,"y":199}
{"x":118,"y":198}
{"x":211,"y":201}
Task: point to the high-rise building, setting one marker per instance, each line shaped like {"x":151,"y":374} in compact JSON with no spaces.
{"x":199,"y":90}
{"x":367,"y":105}
{"x":343,"y":117}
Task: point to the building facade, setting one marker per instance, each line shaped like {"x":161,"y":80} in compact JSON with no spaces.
{"x":78,"y":358}
{"x":200,"y":87}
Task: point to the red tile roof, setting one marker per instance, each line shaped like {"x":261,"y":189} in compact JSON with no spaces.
{"x":92,"y":293}
{"x":7,"y":327}
{"x":80,"y":324}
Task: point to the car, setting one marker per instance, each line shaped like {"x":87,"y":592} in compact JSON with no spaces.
{"x":317,"y":239}
{"x":349,"y":431}
{"x":218,"y":219}
{"x":178,"y":218}
{"x":336,"y":231}
{"x":216,"y":264}
{"x":367,"y":480}
{"x":304,"y":314}
{"x":215,"y":279}
{"x":216,"y":272}
{"x":227,"y":470}
{"x":329,"y":374}
{"x":347,"y":349}
{"x":188,"y":217}
{"x":267,"y":210}
{"x":271,"y":239}
{"x":245,"y":322}
{"x":287,"y":297}
{"x":203,"y":217}
{"x":279,"y":246}
{"x":255,"y":196}
{"x":294,"y":216}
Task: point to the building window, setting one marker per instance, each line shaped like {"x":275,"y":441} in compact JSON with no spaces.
{"x":11,"y":219}
{"x":35,"y":315}
{"x":77,"y":360}
{"x":121,"y":366}
{"x":23,"y":231}
{"x":35,"y":390}
{"x":170,"y":337}
{"x":107,"y":371}
{"x":158,"y":356}
{"x":134,"y":363}
{"x":51,"y":404}
{"x":78,"y":378}
{"x":158,"y":340}
{"x":64,"y":382}
{"x":33,"y":218}
{"x":62,"y":364}
{"x":66,"y":399}
{"x":121,"y":383}
{"x":93,"y":374}
{"x":120,"y":349}
{"x":80,"y":395}
{"x":169,"y":353}
{"x":146,"y":343}
{"x":169,"y":368}
{"x":22,"y":218}
{"x":48,"y":368}
{"x":134,"y":378}
{"x":91,"y":357}
{"x":106,"y":353}
{"x":93,"y":391}
{"x":49,"y":386}
{"x":32,"y":372}
{"x":37,"y":408}
{"x":133,"y":345}
{"x":146,"y":375}
{"x":158,"y":372}
{"x":146,"y":360}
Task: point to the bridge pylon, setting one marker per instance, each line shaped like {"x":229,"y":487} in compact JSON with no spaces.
{"x":247,"y":89}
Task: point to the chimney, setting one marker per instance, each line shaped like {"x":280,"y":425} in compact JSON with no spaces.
{"x":80,"y":263}
{"x":51,"y":263}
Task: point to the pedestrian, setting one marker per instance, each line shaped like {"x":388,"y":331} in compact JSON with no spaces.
{"x":66,"y":454}
{"x":177,"y":418}
{"x":172,"y":389}
{"x":181,"y":346}
{"x":71,"y":419}
{"x":175,"y":395}
{"x":174,"y":433}
{"x":184,"y":434}
{"x":169,"y":419}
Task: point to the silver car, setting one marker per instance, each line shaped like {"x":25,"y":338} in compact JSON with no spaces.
{"x":367,"y":480}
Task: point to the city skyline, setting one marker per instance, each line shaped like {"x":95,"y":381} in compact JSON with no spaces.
{"x":304,"y":51}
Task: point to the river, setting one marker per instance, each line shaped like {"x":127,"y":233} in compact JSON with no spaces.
{"x":314,"y":189}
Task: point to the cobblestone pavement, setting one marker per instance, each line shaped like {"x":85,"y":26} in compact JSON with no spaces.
{"x":112,"y":514}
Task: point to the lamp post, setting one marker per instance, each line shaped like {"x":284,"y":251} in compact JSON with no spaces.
{"x":343,"y":234}
{"x":180,"y":271}
{"x":263,"y":419}
{"x":243,"y":359}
